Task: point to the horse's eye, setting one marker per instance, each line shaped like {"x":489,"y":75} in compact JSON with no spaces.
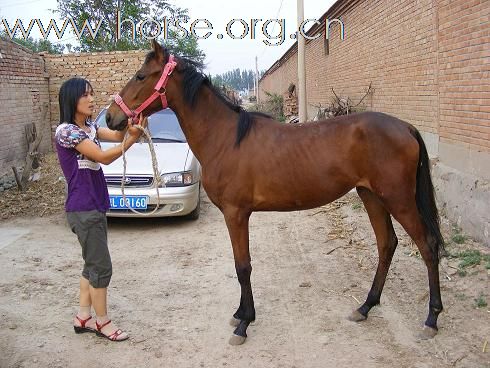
{"x":140,"y":77}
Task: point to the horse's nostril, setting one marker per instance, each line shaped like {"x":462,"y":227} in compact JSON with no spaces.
{"x":107,"y":118}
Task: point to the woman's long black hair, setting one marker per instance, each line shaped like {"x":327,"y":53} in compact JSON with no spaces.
{"x":70,"y":92}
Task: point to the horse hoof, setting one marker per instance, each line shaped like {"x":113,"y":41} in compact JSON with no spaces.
{"x":234,"y":322}
{"x":237,"y":340}
{"x":356,"y":316}
{"x":427,"y":333}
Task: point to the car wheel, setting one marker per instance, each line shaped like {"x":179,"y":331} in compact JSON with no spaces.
{"x":194,"y":215}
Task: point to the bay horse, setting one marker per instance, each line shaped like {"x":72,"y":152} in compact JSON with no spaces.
{"x":252,"y":163}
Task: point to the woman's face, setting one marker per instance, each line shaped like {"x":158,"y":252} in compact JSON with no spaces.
{"x":85,"y":105}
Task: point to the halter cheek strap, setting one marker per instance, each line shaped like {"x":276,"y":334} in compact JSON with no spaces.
{"x":161,"y":84}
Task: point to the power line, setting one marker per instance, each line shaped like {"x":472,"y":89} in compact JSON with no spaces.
{"x":67,"y":39}
{"x":273,"y":26}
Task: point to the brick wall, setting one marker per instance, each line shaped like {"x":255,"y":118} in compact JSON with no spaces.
{"x":24,"y":99}
{"x":464,"y":73}
{"x":108,"y":72}
{"x":427,"y":61}
{"x":30,"y":84}
{"x":280,"y":80}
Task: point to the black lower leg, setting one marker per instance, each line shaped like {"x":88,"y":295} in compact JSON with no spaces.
{"x":241,"y":330}
{"x":435,"y":303}
{"x":386,"y":242}
{"x":432,"y":317}
{"x":371,"y":300}
{"x":240,"y":312}
{"x":246,"y":310}
{"x":385,"y":257}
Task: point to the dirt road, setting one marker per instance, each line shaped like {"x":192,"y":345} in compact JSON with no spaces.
{"x":174,"y":289}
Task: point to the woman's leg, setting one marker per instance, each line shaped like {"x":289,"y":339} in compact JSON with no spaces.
{"x":99,"y":301}
{"x":85,"y":299}
{"x":84,"y":316}
{"x":91,"y":229}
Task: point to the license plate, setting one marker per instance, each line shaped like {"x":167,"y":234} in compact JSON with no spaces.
{"x":136,"y":202}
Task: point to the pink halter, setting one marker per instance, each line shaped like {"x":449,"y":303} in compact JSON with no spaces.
{"x":162,"y":82}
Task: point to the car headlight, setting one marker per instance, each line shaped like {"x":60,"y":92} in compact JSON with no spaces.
{"x":178,"y":179}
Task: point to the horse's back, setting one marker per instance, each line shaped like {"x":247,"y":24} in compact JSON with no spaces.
{"x":341,"y":140}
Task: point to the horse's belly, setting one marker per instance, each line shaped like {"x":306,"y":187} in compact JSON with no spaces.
{"x":294,"y":198}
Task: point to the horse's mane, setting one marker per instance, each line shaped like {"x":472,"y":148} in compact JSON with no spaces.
{"x":194,"y":79}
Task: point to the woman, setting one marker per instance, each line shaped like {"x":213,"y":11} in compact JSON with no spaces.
{"x":80,"y":156}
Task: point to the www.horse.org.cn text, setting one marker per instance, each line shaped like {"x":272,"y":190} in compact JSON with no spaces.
{"x":272,"y":30}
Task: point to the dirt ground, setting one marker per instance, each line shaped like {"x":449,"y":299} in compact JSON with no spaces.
{"x":174,"y":289}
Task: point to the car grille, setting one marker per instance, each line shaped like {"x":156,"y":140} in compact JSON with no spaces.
{"x":131,"y":181}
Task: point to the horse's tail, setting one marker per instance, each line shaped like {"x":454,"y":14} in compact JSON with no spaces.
{"x":425,"y":199}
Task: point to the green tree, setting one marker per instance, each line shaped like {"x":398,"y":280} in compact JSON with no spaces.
{"x":236,"y":79}
{"x":103,"y":15}
{"x":40,"y":45}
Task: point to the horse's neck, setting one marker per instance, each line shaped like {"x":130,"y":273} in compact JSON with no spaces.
{"x":209,"y":126}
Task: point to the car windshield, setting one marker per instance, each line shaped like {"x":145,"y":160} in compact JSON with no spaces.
{"x":163,"y":126}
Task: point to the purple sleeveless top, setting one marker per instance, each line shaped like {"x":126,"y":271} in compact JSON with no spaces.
{"x":87,"y":188}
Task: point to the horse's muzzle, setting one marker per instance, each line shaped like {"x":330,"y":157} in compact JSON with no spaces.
{"x":117,"y":122}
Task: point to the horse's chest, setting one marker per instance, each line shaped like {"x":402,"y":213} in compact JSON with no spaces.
{"x":212,"y":189}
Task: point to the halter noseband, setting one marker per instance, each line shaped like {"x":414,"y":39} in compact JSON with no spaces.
{"x":162,"y":82}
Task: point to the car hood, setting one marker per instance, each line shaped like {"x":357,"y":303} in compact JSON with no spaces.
{"x":171,"y":157}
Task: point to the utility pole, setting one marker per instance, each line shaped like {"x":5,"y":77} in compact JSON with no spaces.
{"x":301,"y":66}
{"x":257,"y":78}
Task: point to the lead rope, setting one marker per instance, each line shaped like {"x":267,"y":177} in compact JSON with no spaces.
{"x":156,"y":174}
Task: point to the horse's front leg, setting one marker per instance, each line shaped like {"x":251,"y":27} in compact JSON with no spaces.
{"x":237,"y":223}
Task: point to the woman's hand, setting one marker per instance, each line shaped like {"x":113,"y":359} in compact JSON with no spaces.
{"x":93,"y":151}
{"x":133,"y":130}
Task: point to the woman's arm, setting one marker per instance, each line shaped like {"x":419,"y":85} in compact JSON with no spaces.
{"x":106,"y":134}
{"x":110,"y":135}
{"x":91,"y":150}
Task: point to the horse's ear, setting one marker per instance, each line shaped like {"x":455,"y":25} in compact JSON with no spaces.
{"x":157,"y":48}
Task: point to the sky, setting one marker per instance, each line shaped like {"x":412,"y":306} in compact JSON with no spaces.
{"x":223,"y":54}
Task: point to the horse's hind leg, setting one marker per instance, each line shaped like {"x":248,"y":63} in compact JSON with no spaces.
{"x":386,"y":241}
{"x":237,"y":223}
{"x":408,"y":216}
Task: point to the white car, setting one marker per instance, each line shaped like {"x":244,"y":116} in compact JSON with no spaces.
{"x":177,"y":165}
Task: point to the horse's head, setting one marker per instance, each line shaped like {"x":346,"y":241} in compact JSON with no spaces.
{"x":145,"y":92}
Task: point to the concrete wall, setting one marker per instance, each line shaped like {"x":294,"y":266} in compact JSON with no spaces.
{"x":24,"y":99}
{"x":429,"y":64}
{"x":465,"y":199}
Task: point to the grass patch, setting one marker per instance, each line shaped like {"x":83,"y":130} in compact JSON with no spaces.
{"x":460,"y":296}
{"x":469,"y":258}
{"x":356,"y":206}
{"x":486,"y":258}
{"x":480,"y":302}
{"x":462,"y":273}
{"x":458,"y":238}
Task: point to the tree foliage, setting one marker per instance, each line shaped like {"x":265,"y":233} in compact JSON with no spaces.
{"x":237,"y":79}
{"x":36,"y":45}
{"x":40,"y":45}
